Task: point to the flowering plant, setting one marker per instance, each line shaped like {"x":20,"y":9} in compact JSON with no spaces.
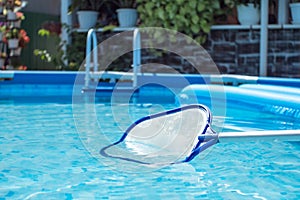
{"x":23,"y":38}
{"x":16,"y":33}
{"x":20,"y":15}
{"x":13,"y":5}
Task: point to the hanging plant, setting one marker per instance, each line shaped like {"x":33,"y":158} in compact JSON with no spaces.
{"x":16,"y":38}
{"x":12,"y":38}
{"x":13,"y":5}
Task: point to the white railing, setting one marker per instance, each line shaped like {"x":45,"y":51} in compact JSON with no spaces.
{"x":92,"y":52}
{"x":136,"y":55}
{"x":91,"y":46}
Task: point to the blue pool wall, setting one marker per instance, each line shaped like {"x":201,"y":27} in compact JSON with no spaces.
{"x":40,"y":83}
{"x":68,"y":78}
{"x":41,"y":77}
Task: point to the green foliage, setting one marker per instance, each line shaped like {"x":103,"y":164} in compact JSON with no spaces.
{"x":43,"y":54}
{"x":233,"y":3}
{"x":109,"y":28}
{"x":2,"y":28}
{"x":55,"y":58}
{"x":12,"y":33}
{"x":74,"y":52}
{"x":193,"y":17}
{"x":86,"y":5}
{"x":245,"y":2}
{"x":125,"y":3}
{"x":43,"y":32}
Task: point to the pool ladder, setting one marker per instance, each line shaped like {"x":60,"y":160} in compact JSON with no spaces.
{"x":91,"y":46}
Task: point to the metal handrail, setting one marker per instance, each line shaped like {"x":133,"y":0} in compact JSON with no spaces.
{"x":136,"y":55}
{"x":91,"y":45}
{"x":91,"y":37}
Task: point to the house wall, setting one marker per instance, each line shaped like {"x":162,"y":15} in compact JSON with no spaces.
{"x":36,"y":13}
{"x":32,"y":24}
{"x":43,"y":6}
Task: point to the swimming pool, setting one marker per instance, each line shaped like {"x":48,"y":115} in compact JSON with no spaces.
{"x":43,"y":156}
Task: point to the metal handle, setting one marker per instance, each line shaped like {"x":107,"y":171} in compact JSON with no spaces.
{"x":282,"y":135}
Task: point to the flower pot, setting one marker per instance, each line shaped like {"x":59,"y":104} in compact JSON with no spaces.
{"x":16,"y":52}
{"x":295,"y":12}
{"x":9,"y":67}
{"x":87,"y":19}
{"x":127,"y":17}
{"x":17,"y":24}
{"x":13,"y":43}
{"x":11,"y":15}
{"x":248,"y":14}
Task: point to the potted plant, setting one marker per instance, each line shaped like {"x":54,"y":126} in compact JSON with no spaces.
{"x":19,"y":17}
{"x":295,"y":11}
{"x":12,"y":6}
{"x":12,"y":38}
{"x":10,"y":13}
{"x":16,"y":38}
{"x":87,"y":12}
{"x":23,"y":40}
{"x":127,"y":13}
{"x":248,"y":11}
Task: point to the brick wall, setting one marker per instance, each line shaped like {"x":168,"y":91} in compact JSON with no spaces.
{"x":237,"y":51}
{"x":233,"y":51}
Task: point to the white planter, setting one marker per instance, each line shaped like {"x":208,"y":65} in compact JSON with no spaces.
{"x":17,"y":24}
{"x":11,"y":15}
{"x":248,"y":15}
{"x":9,"y":67}
{"x":16,"y":52}
{"x":295,"y":12}
{"x":127,"y":17}
{"x":13,"y":43}
{"x":87,"y":19}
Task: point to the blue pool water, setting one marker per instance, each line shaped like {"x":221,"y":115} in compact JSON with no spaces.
{"x":49,"y":147}
{"x":43,"y":157}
